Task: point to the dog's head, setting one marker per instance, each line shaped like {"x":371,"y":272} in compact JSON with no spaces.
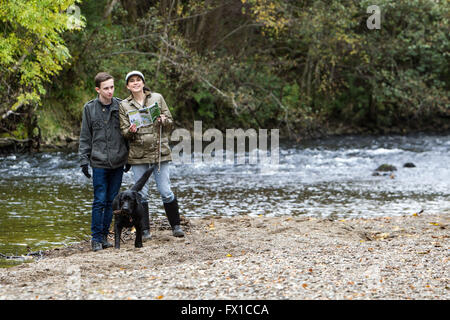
{"x":126,"y":201}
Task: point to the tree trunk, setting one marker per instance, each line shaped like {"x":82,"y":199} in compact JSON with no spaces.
{"x":135,"y":8}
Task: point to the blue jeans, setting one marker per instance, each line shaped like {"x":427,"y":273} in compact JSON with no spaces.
{"x":106,"y":186}
{"x":161,"y":178}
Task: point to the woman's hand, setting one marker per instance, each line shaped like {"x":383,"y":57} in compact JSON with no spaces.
{"x":133,"y":128}
{"x":162,"y":118}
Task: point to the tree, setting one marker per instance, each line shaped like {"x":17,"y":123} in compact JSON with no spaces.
{"x":32,"y":52}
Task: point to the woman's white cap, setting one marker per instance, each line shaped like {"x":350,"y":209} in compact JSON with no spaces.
{"x":134,"y":73}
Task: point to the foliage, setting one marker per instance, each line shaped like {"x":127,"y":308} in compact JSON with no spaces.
{"x":32,"y":53}
{"x":295,"y":65}
{"x":408,"y":62}
{"x":32,"y":50}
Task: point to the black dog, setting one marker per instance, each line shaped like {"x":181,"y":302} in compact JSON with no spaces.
{"x":128,"y":210}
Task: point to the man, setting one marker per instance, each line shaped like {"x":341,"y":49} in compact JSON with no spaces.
{"x":103,"y":147}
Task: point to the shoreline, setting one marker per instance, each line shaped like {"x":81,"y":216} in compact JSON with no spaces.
{"x":69,"y":142}
{"x":295,"y":258}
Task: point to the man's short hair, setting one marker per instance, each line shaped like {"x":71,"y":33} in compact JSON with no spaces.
{"x":101,"y":77}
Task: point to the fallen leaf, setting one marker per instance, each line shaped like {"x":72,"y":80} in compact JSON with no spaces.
{"x":435,"y":224}
{"x":440,"y":237}
{"x":304,"y":285}
{"x":229,"y":255}
{"x":159,"y":297}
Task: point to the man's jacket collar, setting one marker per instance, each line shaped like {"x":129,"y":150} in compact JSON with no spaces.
{"x":114,"y":103}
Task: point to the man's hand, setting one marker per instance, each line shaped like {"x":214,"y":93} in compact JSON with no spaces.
{"x":85,"y":170}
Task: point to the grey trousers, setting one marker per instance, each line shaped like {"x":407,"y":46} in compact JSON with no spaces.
{"x":162,"y":180}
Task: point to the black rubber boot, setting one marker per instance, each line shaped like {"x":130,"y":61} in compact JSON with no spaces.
{"x":173,"y":215}
{"x":146,"y":223}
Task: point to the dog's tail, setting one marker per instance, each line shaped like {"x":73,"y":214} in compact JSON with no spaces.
{"x":142,"y":180}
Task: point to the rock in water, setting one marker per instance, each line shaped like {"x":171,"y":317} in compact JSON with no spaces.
{"x":386,"y":168}
{"x":409,"y":165}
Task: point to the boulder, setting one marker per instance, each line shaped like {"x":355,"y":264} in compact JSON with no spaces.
{"x":409,"y":165}
{"x":386,"y":168}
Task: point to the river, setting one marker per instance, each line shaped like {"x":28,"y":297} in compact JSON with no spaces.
{"x":46,"y":200}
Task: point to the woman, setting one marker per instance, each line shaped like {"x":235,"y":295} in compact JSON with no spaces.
{"x":149,"y":146}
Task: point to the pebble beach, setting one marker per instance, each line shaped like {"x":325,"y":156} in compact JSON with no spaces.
{"x":251,"y":258}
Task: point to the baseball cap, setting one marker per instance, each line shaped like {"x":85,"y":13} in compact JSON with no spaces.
{"x":134,"y":73}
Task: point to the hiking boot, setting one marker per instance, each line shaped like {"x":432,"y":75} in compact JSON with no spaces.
{"x":96,"y":246}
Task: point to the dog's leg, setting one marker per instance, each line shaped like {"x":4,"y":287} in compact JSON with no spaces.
{"x":117,"y":233}
{"x":138,"y":241}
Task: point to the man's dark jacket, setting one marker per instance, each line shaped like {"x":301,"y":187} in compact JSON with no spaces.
{"x":101,"y":142}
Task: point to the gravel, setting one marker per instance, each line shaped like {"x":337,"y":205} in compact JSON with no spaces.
{"x":251,"y":258}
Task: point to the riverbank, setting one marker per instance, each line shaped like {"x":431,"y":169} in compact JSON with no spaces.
{"x":252,"y":258}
